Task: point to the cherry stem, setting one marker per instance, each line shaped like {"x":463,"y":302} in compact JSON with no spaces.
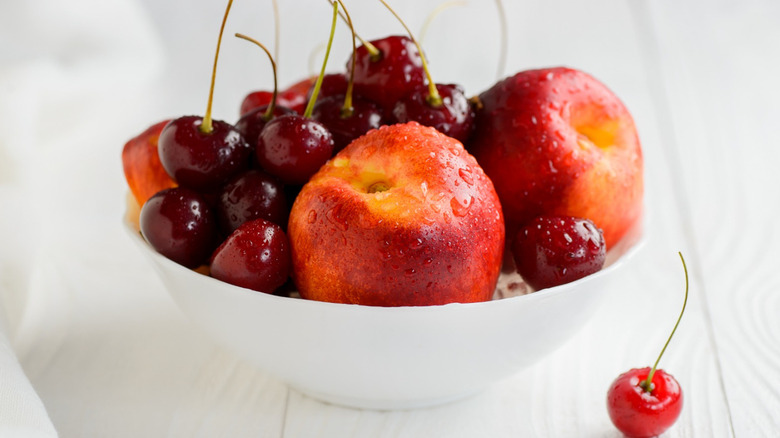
{"x":275,"y":5}
{"x":647,"y":384}
{"x":504,"y":38}
{"x":372,"y":50}
{"x":318,"y":84}
{"x":347,"y":109}
{"x":269,"y":112}
{"x":206,"y":127}
{"x":434,"y":98}
{"x":435,"y":13}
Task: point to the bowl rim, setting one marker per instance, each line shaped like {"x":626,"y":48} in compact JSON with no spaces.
{"x":636,"y":236}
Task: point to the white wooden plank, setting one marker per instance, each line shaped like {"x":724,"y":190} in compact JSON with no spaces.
{"x":720,"y":63}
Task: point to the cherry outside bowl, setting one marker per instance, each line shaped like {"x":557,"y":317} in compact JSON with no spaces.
{"x":388,"y":358}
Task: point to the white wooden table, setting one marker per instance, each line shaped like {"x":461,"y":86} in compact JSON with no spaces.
{"x":111,"y":356}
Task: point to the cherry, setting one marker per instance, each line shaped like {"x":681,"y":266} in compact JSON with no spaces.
{"x":451,"y":114}
{"x":644,"y":402}
{"x":355,"y":116}
{"x":453,"y":117}
{"x":179,"y":224}
{"x":345,"y":127}
{"x":202,"y":153}
{"x":251,"y":123}
{"x":640,"y":413}
{"x":199,"y":159}
{"x":293,"y":148}
{"x":293,"y":98}
{"x":553,"y":250}
{"x":333,"y":84}
{"x":250,"y":196}
{"x":391,"y":73}
{"x":255,"y":256}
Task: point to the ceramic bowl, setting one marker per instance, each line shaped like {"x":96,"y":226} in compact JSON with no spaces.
{"x":388,"y":358}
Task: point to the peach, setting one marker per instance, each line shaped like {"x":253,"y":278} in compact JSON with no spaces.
{"x":557,"y":142}
{"x":403,"y":216}
{"x":144,"y":173}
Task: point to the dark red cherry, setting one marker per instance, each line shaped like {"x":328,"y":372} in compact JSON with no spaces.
{"x":387,"y":77}
{"x":255,"y":100}
{"x":641,"y":412}
{"x":453,"y":117}
{"x":255,"y":256}
{"x":332,"y":84}
{"x":252,"y":123}
{"x":553,"y":250}
{"x":201,"y":160}
{"x":251,"y":195}
{"x":293,"y":148}
{"x":347,"y":125}
{"x":179,"y":224}
{"x":295,"y":96}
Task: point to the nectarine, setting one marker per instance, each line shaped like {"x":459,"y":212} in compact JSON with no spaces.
{"x":403,"y":216}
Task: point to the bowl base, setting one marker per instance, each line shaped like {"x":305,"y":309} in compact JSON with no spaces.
{"x":384,"y":405}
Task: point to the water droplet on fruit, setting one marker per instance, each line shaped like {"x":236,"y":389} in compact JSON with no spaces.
{"x":465,"y":174}
{"x":428,"y":261}
{"x":459,"y":208}
{"x":533,"y":120}
{"x":416,"y":243}
{"x":312,"y":216}
{"x":410,"y":271}
{"x":455,"y":151}
{"x":386,"y":255}
{"x":552,"y":167}
{"x":424,"y":189}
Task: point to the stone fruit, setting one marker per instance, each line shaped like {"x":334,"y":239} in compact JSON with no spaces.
{"x":557,"y":142}
{"x":403,"y":216}
{"x":144,"y":173}
{"x":553,"y":250}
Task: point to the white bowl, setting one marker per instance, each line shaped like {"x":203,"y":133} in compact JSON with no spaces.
{"x":387,"y":358}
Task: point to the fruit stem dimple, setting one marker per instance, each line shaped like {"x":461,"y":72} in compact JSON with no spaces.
{"x":206,"y":127}
{"x":271,"y":106}
{"x":434,"y":98}
{"x":318,"y":84}
{"x":647,"y":384}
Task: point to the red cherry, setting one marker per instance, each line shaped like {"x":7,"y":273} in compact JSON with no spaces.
{"x":201,"y":160}
{"x":394,"y":72}
{"x":294,"y":97}
{"x":638,"y":412}
{"x":255,"y":256}
{"x":332,"y":84}
{"x":252,"y":195}
{"x":553,"y":250}
{"x":293,"y":148}
{"x":179,"y":224}
{"x":453,"y":117}
{"x":252,"y":123}
{"x":347,"y":126}
{"x":644,"y":402}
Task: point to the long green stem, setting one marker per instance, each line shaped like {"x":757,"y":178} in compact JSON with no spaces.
{"x":269,"y":112}
{"x":206,"y":127}
{"x":347,"y":109}
{"x":318,"y":84}
{"x":647,"y":384}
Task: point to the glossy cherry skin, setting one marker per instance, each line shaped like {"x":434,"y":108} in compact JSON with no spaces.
{"x":639,"y":413}
{"x":252,"y":123}
{"x":293,"y":148}
{"x":179,"y":224}
{"x":554,"y":250}
{"x":332,"y":84}
{"x":293,"y":97}
{"x":255,"y":256}
{"x":198,"y":160}
{"x":251,"y":195}
{"x":454,"y":117}
{"x":365,"y":116}
{"x":395,"y":72}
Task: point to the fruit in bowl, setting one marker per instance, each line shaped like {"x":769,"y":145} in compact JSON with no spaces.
{"x":402,"y":217}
